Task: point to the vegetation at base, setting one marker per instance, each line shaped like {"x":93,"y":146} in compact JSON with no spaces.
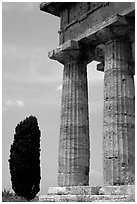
{"x":24,"y":159}
{"x":9,"y":196}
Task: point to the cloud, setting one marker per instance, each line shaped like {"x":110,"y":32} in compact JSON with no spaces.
{"x":14,"y":103}
{"x":28,"y":65}
{"x":59,"y":88}
{"x":20,"y":103}
{"x":8,"y":102}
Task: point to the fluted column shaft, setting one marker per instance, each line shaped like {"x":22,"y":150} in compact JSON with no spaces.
{"x":119,"y":114}
{"x":74,"y":150}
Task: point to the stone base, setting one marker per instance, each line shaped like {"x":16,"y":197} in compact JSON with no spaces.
{"x":117,"y":190}
{"x":86,"y":198}
{"x":74,"y":190}
{"x":124,"y":193}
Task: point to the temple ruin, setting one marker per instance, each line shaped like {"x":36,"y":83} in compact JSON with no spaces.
{"x":104,"y":32}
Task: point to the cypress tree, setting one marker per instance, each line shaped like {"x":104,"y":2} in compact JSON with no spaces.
{"x":24,"y":159}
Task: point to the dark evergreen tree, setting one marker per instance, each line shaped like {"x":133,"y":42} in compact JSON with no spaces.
{"x":24,"y":159}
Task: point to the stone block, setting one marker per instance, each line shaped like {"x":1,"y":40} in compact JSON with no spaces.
{"x":118,"y":190}
{"x":86,"y":198}
{"x":74,"y":190}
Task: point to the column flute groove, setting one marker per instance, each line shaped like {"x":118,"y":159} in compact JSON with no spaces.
{"x":119,"y":95}
{"x":74,"y":155}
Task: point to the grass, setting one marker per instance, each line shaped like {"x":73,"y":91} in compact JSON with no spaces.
{"x":8,"y":196}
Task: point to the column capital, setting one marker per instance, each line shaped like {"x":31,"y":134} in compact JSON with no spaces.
{"x":74,"y":51}
{"x":120,"y":32}
{"x":65,"y":52}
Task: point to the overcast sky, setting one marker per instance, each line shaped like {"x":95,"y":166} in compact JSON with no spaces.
{"x":32,"y":86}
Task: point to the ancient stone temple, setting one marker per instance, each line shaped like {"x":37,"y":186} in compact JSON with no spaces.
{"x":104,"y":32}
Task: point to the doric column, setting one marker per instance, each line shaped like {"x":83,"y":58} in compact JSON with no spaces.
{"x":74,"y":144}
{"x":74,"y":150}
{"x":119,"y":113}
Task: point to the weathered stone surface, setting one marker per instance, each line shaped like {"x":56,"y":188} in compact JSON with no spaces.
{"x":74,"y":190}
{"x":105,"y":32}
{"x":118,"y":190}
{"x":86,"y":198}
{"x":72,"y":50}
{"x":77,"y":18}
{"x":124,"y":193}
{"x":74,"y":154}
{"x":119,"y":115}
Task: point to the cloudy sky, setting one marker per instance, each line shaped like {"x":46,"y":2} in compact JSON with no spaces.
{"x":31,"y":85}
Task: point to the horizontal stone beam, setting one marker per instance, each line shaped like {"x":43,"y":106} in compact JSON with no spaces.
{"x":90,"y":39}
{"x":91,"y":33}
